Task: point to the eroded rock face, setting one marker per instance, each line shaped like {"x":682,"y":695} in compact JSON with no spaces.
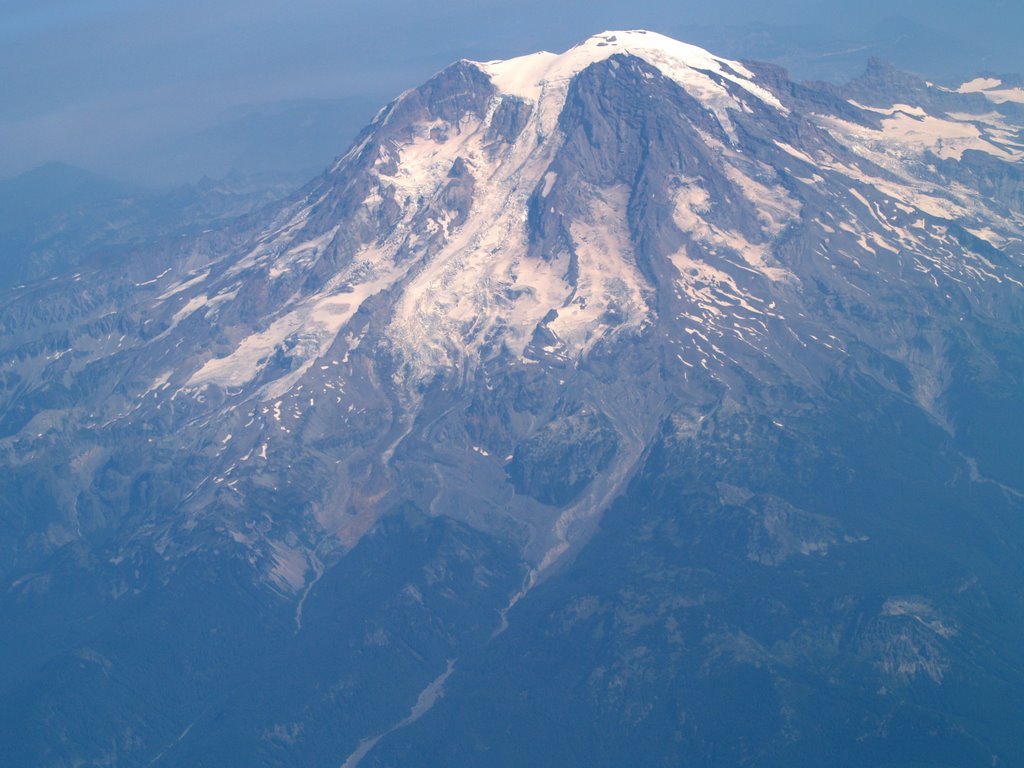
{"x":752,"y":325}
{"x":556,"y":464}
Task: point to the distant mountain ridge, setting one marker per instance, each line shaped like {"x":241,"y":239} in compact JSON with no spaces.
{"x":57,"y":217}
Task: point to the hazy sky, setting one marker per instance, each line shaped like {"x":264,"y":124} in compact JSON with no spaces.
{"x":107,"y":83}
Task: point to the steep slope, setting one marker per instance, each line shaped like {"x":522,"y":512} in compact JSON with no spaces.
{"x":633,"y":276}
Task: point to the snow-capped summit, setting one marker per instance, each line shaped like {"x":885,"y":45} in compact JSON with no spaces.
{"x":697,"y":70}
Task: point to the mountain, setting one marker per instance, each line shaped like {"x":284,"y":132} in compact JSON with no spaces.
{"x":629,"y":405}
{"x":57,"y":217}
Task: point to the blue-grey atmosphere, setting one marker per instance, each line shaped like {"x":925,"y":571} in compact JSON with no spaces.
{"x":164,"y":93}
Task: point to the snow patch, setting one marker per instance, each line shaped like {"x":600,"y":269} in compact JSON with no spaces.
{"x":692,"y":204}
{"x":990,"y":88}
{"x":549,"y":182}
{"x":906,"y":135}
{"x":183,"y":286}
